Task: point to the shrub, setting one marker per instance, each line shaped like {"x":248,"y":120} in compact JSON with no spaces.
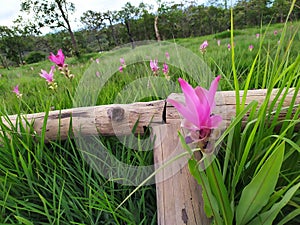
{"x":226,"y":34}
{"x":35,"y":56}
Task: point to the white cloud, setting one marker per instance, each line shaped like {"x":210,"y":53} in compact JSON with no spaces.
{"x":9,"y":11}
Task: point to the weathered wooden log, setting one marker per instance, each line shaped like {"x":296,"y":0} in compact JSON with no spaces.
{"x":107,"y":120}
{"x":119,"y":119}
{"x":226,"y":103}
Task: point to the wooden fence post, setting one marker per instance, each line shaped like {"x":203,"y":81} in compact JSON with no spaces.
{"x":179,"y":200}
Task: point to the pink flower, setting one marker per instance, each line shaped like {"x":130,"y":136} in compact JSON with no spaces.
{"x":251,"y":47}
{"x":97,"y":61}
{"x":16,"y":91}
{"x":228,"y":47}
{"x":58,"y":59}
{"x":275,"y":32}
{"x":167,"y":55}
{"x":198,"y":107}
{"x":203,"y":46}
{"x":97,"y":74}
{"x":166,"y":71}
{"x":48,"y":76}
{"x":257,"y":35}
{"x":165,"y":68}
{"x":121,"y":69}
{"x":122,"y":61}
{"x":154,"y":65}
{"x":219,"y":42}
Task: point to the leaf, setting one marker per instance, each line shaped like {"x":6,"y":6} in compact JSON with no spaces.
{"x":210,"y":204}
{"x":184,"y":144}
{"x":23,"y":220}
{"x":268,"y":217}
{"x":256,"y":194}
{"x":219,"y":190}
{"x":289,"y":216}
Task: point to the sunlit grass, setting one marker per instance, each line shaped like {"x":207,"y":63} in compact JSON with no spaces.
{"x":53,"y":183}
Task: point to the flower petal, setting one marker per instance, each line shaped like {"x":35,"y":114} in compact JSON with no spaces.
{"x":212,"y":92}
{"x":191,"y":99}
{"x":204,"y":101}
{"x":214,"y":121}
{"x":184,"y":111}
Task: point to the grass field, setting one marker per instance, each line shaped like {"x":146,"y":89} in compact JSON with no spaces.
{"x":53,"y":183}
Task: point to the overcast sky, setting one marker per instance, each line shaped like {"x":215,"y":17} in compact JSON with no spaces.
{"x":9,"y":9}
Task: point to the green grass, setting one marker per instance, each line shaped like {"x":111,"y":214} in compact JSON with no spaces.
{"x":56,"y":183}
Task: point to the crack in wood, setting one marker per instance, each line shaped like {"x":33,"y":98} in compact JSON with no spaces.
{"x":184,"y":216}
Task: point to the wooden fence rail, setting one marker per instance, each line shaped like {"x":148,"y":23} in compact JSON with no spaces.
{"x":119,"y":119}
{"x":178,"y":195}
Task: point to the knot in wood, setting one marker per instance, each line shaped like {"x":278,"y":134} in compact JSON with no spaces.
{"x":116,"y":113}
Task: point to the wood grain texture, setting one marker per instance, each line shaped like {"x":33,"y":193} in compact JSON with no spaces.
{"x":118,"y":119}
{"x":179,"y":200}
{"x":226,"y":103}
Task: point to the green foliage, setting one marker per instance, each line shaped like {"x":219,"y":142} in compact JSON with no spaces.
{"x":53,"y":183}
{"x":34,"y":57}
{"x":227,"y":33}
{"x":259,"y":173}
{"x":256,"y":194}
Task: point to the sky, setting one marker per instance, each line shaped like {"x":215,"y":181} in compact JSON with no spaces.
{"x":9,"y":9}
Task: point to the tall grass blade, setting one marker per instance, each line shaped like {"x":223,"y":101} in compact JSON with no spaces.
{"x":256,"y":194}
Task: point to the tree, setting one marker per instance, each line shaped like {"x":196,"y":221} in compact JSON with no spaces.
{"x":93,"y":21}
{"x":281,"y":9}
{"x":112,"y":17}
{"x":126,"y":15}
{"x":53,"y":14}
{"x":12,"y":44}
{"x":144,"y":25}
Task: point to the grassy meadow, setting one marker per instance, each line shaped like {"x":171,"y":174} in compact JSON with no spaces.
{"x":53,"y":184}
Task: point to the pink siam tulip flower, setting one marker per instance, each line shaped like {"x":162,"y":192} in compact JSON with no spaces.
{"x":58,"y":59}
{"x":251,"y":47}
{"x":219,"y":42}
{"x":197,"y":110}
{"x":275,"y":32}
{"x":122,"y":61}
{"x":257,"y":35}
{"x":97,"y":61}
{"x":229,"y":47}
{"x":203,"y":46}
{"x":97,"y":74}
{"x":167,"y":55}
{"x":121,"y":69}
{"x":48,"y":76}
{"x":16,"y":91}
{"x":154,"y":65}
{"x":166,"y":71}
{"x":165,"y":68}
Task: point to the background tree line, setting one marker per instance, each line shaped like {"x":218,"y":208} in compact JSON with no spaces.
{"x":102,"y":31}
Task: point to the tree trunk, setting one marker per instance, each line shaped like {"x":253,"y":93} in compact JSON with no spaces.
{"x":4,"y":62}
{"x":157,"y":35}
{"x":129,"y":33}
{"x":113,"y":32}
{"x":98,"y":41}
{"x":73,"y":40}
